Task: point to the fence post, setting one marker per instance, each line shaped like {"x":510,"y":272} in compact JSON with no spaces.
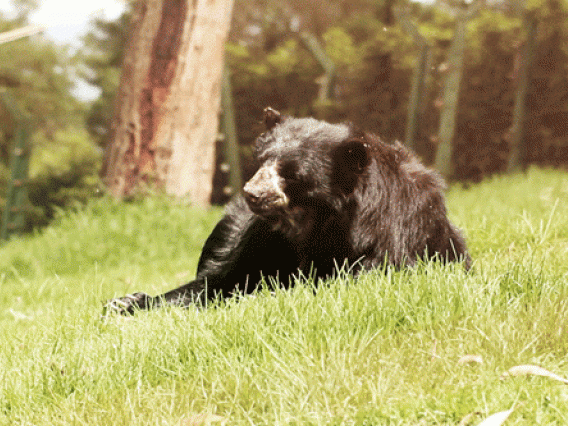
{"x":327,"y":83}
{"x":443,"y":162}
{"x":518,"y":144}
{"x":229,"y":126}
{"x":13,"y":216}
{"x":416,"y":103}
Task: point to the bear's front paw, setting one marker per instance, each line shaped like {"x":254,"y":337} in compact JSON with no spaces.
{"x":128,"y":304}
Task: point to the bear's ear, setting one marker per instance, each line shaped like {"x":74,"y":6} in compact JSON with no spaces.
{"x":353,"y":155}
{"x":271,"y":117}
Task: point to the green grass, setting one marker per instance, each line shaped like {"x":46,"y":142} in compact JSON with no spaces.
{"x":382,"y":349}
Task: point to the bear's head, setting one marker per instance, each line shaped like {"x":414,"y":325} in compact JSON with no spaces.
{"x":307,"y":167}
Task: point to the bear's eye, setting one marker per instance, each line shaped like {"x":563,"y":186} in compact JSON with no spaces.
{"x":289,"y":172}
{"x":297,"y":185}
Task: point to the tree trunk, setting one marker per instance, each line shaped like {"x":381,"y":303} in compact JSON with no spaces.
{"x":518,"y":144}
{"x":416,"y":102}
{"x":444,"y":153}
{"x":166,"y":114}
{"x":443,"y":162}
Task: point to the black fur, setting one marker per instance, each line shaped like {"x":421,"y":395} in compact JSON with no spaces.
{"x":326,"y":195}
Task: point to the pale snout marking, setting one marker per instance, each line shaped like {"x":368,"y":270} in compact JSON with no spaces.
{"x":267,"y":184}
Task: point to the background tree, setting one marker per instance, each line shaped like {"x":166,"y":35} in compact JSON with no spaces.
{"x":270,"y":67}
{"x":166,"y":118}
{"x":100,"y":62}
{"x":524,"y":58}
{"x":374,"y":59}
{"x":64,"y":162}
{"x":452,"y":81}
{"x":546,"y":125}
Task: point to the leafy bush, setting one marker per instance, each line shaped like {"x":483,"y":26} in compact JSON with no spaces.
{"x":63,"y":170}
{"x":64,"y":159}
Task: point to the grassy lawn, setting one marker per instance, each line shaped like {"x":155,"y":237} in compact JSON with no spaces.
{"x":382,"y":349}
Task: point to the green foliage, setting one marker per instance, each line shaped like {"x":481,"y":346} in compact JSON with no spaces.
{"x":340,"y":47}
{"x":381,"y":349}
{"x":65,"y":162}
{"x":64,"y":170}
{"x":370,"y":59}
{"x":39,"y":75}
{"x":4,"y":176}
{"x":62,"y":173}
{"x":101,"y":60}
{"x":487,"y":95}
{"x":25,"y":7}
{"x":375,"y":60}
{"x":379,"y":86}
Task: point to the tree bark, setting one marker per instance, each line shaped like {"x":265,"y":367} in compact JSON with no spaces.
{"x":166,"y":113}
{"x":444,"y":153}
{"x":517,"y":157}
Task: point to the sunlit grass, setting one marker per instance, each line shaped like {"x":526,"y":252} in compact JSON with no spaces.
{"x":380,"y":349}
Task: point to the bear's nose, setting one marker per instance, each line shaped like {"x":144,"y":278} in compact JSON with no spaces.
{"x":257,"y":196}
{"x":264,"y":191}
{"x":250,"y":195}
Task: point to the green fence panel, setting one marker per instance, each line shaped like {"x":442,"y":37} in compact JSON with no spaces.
{"x":13,"y":216}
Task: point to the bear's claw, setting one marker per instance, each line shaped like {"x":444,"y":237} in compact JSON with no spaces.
{"x":128,"y":304}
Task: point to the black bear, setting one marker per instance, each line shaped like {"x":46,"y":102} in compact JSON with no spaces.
{"x":325,"y":196}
